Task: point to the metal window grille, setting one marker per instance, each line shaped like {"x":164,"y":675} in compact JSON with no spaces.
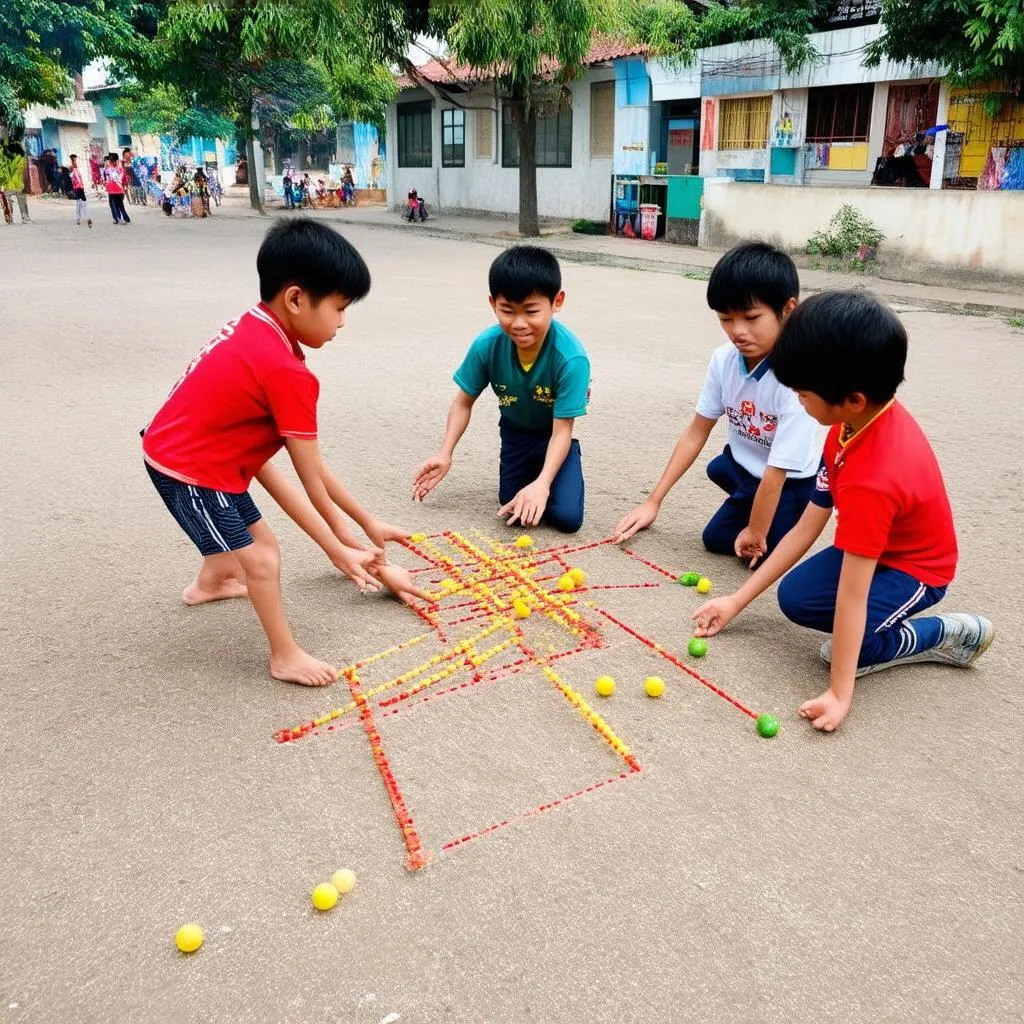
{"x":743,"y":123}
{"x":840,"y":113}
{"x":453,"y":138}
{"x":414,"y":131}
{"x":554,"y":138}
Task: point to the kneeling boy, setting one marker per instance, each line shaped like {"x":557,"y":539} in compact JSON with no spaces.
{"x":895,"y":549}
{"x":541,"y":375}
{"x":767,"y":468}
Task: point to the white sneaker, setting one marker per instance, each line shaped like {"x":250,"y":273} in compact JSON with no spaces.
{"x":965,"y":638}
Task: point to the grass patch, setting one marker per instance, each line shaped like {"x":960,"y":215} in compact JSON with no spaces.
{"x":582,"y":226}
{"x":1017,"y":322}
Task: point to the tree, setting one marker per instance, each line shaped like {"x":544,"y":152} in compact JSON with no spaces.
{"x":531,"y":49}
{"x":978,"y":40}
{"x":43,"y":43}
{"x":253,"y":61}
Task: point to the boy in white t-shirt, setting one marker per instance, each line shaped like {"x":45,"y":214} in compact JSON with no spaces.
{"x":774,"y":448}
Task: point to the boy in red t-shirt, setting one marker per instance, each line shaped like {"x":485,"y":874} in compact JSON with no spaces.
{"x":245,"y":394}
{"x":895,"y":548}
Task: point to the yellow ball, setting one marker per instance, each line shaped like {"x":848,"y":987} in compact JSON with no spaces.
{"x":417,"y":537}
{"x":703,"y":585}
{"x":566,"y":583}
{"x":655,"y":686}
{"x":520,"y":609}
{"x":448,"y":584}
{"x":188,"y":938}
{"x":605,"y":686}
{"x":344,"y":880}
{"x":324,"y":896}
{"x":525,"y":541}
{"x":579,"y":577}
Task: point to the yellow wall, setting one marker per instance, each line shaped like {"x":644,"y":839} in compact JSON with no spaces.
{"x":981,"y":132}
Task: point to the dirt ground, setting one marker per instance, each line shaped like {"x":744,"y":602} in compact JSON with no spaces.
{"x":872,"y":875}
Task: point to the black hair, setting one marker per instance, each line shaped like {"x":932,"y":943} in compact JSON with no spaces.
{"x":838,"y":343}
{"x":309,"y":254}
{"x":74,"y":156}
{"x":751,"y":273}
{"x":525,"y":270}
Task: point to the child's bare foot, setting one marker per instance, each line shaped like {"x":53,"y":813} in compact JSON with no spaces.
{"x":200,"y":593}
{"x":300,"y":667}
{"x":826,"y":711}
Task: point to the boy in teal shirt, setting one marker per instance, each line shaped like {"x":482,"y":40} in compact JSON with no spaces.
{"x":541,"y":375}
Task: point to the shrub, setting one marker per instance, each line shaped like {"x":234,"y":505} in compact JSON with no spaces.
{"x":848,"y":232}
{"x":590,"y":227}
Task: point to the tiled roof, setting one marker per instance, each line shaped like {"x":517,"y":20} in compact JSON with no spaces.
{"x":448,"y":73}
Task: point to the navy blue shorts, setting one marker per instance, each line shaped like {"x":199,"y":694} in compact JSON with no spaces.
{"x":215,"y":521}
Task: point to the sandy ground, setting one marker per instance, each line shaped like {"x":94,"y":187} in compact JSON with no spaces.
{"x":872,"y":875}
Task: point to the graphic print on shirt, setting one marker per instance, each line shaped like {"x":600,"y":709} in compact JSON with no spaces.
{"x":543,"y":395}
{"x":222,"y":335}
{"x":821,"y":483}
{"x":504,"y":398}
{"x":755,"y":426}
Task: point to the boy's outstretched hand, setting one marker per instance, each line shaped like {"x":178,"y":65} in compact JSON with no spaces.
{"x":715,"y":615}
{"x":431,"y":473}
{"x":400,"y":583}
{"x":355,"y":563}
{"x":528,"y":505}
{"x":380,"y":533}
{"x":639,"y":519}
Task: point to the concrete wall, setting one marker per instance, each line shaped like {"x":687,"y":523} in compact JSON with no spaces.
{"x":483,"y":185}
{"x":949,"y":237}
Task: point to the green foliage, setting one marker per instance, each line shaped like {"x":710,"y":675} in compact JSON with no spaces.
{"x":847,"y":233}
{"x":1017,"y":322}
{"x":164,"y":110}
{"x":978,"y":40}
{"x":590,"y":227}
{"x":44,"y":42}
{"x":12,"y":172}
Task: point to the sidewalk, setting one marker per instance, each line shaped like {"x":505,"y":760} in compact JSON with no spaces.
{"x":687,"y":261}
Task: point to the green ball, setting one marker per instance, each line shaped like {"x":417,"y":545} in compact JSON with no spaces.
{"x":767,"y":726}
{"x":690,"y":579}
{"x":697,"y":647}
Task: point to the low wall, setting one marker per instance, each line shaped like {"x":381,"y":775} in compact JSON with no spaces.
{"x":969,"y":239}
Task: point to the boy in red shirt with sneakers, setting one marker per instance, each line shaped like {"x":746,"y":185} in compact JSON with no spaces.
{"x":895,"y":549}
{"x":247,"y":393}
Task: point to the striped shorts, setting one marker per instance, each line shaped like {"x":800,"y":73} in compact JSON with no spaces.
{"x":215,"y":521}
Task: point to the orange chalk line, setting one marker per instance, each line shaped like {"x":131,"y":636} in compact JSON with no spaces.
{"x":669,"y":656}
{"x":533,"y":812}
{"x":416,"y":857}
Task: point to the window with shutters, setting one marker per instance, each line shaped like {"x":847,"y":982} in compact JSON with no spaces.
{"x":602,"y":119}
{"x":414,"y":128}
{"x":743,"y":122}
{"x":484,"y":134}
{"x":554,"y":137}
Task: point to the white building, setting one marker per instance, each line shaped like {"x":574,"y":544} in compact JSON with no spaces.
{"x":451,"y":138}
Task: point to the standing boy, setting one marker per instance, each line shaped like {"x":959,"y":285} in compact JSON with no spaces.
{"x":78,"y":189}
{"x":247,"y":393}
{"x":768,"y":466}
{"x":541,"y":375}
{"x":113,"y":178}
{"x":895,"y":549}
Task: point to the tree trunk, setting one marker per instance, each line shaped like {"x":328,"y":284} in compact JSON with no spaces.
{"x":526,"y":131}
{"x":254,"y":156}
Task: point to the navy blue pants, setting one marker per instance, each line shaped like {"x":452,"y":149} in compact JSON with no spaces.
{"x":734,"y":516}
{"x":807,"y":596}
{"x":522,"y":458}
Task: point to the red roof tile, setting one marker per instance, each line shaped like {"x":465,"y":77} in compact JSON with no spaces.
{"x":445,"y":72}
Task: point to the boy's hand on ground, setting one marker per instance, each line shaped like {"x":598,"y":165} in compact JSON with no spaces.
{"x":826,"y":712}
{"x":751,"y":545}
{"x":431,"y":473}
{"x":354,"y":563}
{"x":715,"y":615}
{"x":400,"y":583}
{"x":639,"y":519}
{"x":528,"y":505}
